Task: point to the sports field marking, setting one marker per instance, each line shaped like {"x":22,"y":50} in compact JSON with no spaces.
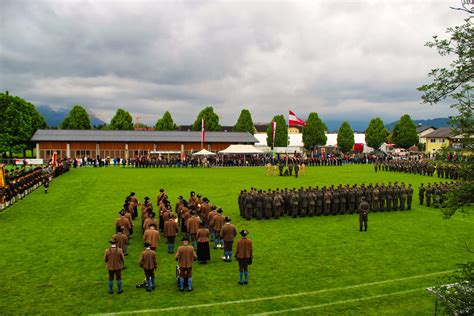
{"x":276,"y":297}
{"x":337,"y":302}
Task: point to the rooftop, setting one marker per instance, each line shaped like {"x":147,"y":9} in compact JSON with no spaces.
{"x":442,"y":132}
{"x":62,"y":135}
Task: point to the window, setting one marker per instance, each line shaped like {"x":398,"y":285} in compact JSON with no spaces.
{"x":432,"y":140}
{"x":441,"y":140}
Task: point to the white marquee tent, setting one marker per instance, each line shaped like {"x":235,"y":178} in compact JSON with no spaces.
{"x":203,"y":152}
{"x":241,"y":149}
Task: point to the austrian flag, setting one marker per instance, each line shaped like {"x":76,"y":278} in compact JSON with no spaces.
{"x":293,"y":120}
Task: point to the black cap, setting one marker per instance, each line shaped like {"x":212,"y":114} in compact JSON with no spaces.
{"x":185,"y":238}
{"x":219,"y":210}
{"x":244,"y":233}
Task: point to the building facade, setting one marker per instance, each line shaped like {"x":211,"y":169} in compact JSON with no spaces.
{"x":130,"y":144}
{"x":440,"y":138}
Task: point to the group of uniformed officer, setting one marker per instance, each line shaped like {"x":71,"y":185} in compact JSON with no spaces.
{"x":448,"y":171}
{"x":21,"y":182}
{"x":200,"y":221}
{"x":435,"y":194}
{"x":259,"y":204}
{"x":420,"y":167}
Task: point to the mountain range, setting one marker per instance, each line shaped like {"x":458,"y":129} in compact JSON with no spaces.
{"x":54,"y":118}
{"x":436,"y":122}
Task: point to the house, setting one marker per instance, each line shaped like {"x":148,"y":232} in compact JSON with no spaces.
{"x":442,"y":137}
{"x":423,"y":130}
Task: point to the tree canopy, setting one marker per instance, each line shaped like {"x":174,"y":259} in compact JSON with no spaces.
{"x":244,"y":122}
{"x":345,"y":137}
{"x":166,"y":123}
{"x":376,"y":133}
{"x":281,"y":133}
{"x":121,"y":121}
{"x":77,"y":119}
{"x":404,"y":132}
{"x":19,"y":120}
{"x":211,"y":120}
{"x":456,"y":81}
{"x":314,"y":133}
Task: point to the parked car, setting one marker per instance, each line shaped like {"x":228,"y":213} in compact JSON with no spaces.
{"x":399,"y":152}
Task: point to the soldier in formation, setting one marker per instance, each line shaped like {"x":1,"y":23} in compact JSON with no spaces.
{"x":21,"y":182}
{"x":435,"y":194}
{"x":316,"y":201}
{"x":420,"y":167}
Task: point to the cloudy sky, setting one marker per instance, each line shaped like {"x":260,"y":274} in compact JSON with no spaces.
{"x":343,"y":59}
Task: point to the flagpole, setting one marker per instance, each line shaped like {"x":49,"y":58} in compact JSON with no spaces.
{"x":202,"y":132}
{"x":287,"y":137}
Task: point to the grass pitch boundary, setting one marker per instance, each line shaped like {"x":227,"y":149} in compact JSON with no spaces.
{"x":276,"y":297}
{"x":337,"y":302}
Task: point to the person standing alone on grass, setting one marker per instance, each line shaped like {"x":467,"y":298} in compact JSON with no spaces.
{"x":148,"y":263}
{"x":243,"y":253}
{"x":363,"y":214}
{"x":185,"y":257}
{"x":114,"y":258}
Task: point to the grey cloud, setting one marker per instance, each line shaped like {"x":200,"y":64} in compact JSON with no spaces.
{"x":359,"y":58}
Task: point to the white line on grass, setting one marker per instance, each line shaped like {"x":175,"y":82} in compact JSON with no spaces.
{"x":337,"y":302}
{"x":267,"y":298}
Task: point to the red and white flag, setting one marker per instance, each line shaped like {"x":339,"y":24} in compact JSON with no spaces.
{"x":293,"y":120}
{"x":203,"y":134}
{"x":54,"y":160}
{"x":274,"y":127}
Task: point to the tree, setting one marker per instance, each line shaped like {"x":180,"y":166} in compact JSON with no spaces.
{"x":281,"y":133}
{"x":458,"y":297}
{"x":77,"y":119}
{"x":314,"y":132}
{"x":19,"y":120}
{"x":455,"y":81}
{"x":244,"y":122}
{"x":345,"y":137}
{"x":166,"y":123}
{"x":211,"y":120}
{"x":121,"y":121}
{"x":376,"y":133}
{"x":404,"y":132}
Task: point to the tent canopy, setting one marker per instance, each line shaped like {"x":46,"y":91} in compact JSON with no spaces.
{"x":241,"y":149}
{"x":203,"y":152}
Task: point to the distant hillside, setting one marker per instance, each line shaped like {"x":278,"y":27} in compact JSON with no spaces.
{"x":357,"y":126}
{"x":437,"y":122}
{"x":54,"y":118}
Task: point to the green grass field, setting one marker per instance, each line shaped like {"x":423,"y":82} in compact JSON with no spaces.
{"x":52,"y":248}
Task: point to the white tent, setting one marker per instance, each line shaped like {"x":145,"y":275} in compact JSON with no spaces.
{"x":204,"y":152}
{"x":241,"y":149}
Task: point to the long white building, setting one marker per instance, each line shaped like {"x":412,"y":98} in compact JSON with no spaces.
{"x":296,"y":141}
